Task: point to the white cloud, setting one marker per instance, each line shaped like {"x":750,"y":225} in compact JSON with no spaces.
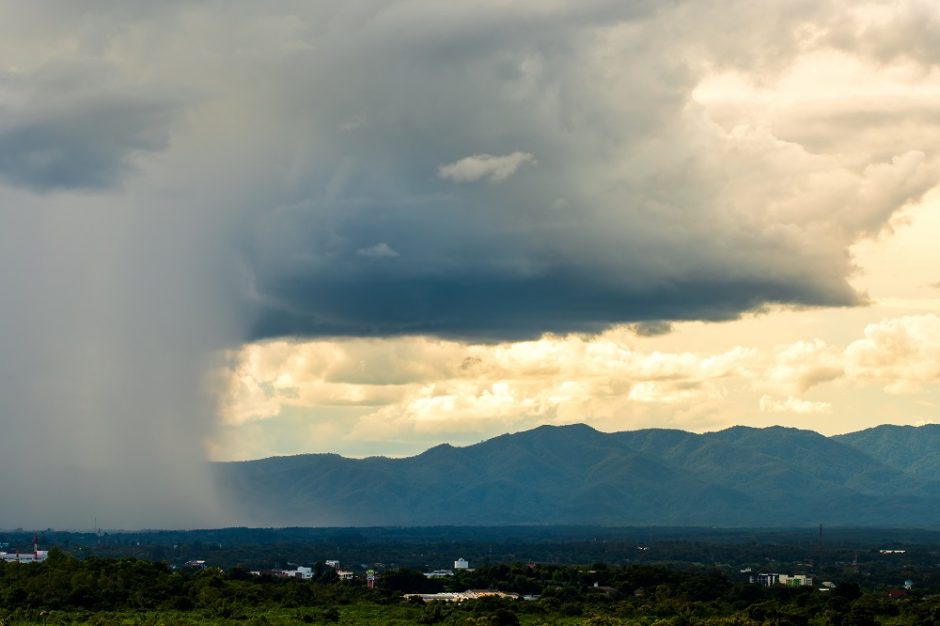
{"x":804,"y":364}
{"x":378,"y":251}
{"x":901,"y":354}
{"x":671,"y":393}
{"x":898,"y":355}
{"x":496,"y":169}
{"x":791,"y":404}
{"x":423,"y":389}
{"x":419,"y":388}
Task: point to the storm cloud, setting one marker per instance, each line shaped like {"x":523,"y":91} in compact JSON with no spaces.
{"x":485,"y":171}
{"x":67,"y":127}
{"x":87,"y":146}
{"x":641,"y":207}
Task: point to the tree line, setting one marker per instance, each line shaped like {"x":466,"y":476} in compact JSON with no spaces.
{"x":601,"y":594}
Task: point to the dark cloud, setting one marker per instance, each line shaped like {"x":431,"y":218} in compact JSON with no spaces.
{"x":495,"y":307}
{"x":87,"y":144}
{"x":652,"y":328}
{"x":638,"y":209}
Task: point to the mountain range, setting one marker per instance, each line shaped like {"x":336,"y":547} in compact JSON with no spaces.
{"x":883,"y":476}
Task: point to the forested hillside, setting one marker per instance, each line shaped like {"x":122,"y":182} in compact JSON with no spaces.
{"x":577,"y":475}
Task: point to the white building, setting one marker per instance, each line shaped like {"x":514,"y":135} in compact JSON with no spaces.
{"x":767,"y":580}
{"x":460,"y":596}
{"x":304,"y":573}
{"x":461,"y":563}
{"x":333,"y":564}
{"x":789,"y":580}
{"x":36,"y":556}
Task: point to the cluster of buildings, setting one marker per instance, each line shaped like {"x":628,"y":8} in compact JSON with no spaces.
{"x":36,"y":556}
{"x":303,"y":573}
{"x":342,"y":574}
{"x":461,"y":564}
{"x":787,"y":580}
{"x":460,"y":596}
{"x":24,"y":557}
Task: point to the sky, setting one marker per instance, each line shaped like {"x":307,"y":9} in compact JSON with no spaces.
{"x":234,"y":229}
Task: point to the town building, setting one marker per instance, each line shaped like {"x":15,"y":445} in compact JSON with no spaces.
{"x":788,"y":580}
{"x":460,"y":596}
{"x":36,"y":556}
{"x":767,"y":580}
{"x":303,"y":573}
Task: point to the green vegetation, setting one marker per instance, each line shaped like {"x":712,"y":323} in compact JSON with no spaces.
{"x":845,"y":554}
{"x":66,"y":590}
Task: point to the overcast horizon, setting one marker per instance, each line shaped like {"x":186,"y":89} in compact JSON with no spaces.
{"x":235,"y":230}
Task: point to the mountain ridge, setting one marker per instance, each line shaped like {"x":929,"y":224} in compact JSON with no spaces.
{"x":575,"y":474}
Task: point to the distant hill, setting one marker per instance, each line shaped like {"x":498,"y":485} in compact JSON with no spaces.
{"x":911,"y":449}
{"x":577,"y":475}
